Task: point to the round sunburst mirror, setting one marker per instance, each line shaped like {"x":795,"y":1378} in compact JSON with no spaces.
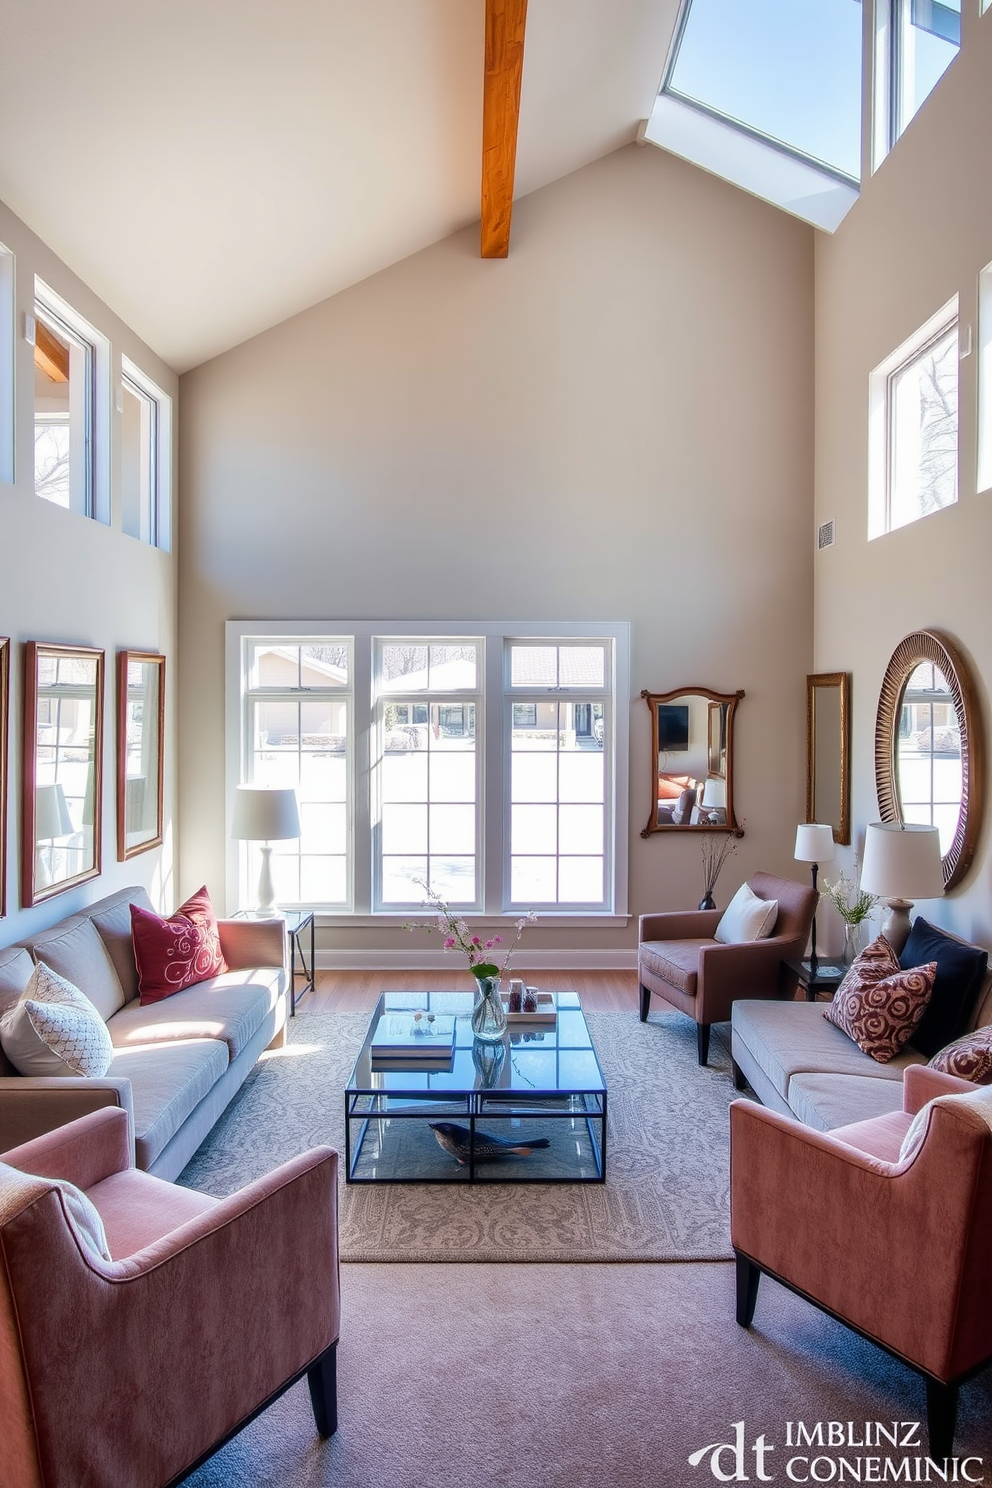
{"x":929,"y":764}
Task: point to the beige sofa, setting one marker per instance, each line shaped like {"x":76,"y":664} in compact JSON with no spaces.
{"x":178,"y":1062}
{"x":800,"y":1065}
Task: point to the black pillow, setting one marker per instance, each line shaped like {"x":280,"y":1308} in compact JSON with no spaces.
{"x":960,"y":969}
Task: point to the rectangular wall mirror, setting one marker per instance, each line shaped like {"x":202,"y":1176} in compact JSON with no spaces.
{"x":63,"y":748}
{"x":828,"y":748}
{"x":4,"y":707}
{"x":140,"y":720}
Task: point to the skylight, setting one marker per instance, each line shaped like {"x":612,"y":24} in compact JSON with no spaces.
{"x":787,"y":72}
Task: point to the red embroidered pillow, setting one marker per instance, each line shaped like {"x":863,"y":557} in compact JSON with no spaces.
{"x":878,"y":1005}
{"x":969,"y":1057}
{"x":175,"y":953}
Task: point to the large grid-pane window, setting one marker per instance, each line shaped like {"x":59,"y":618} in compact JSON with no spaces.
{"x":559,"y":797}
{"x":298,"y":710}
{"x":427,"y":721}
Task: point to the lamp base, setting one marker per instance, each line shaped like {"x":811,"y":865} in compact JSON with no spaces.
{"x":266,"y":889}
{"x":897,"y":924}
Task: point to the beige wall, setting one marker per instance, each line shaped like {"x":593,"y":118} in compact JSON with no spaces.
{"x":66,"y":578}
{"x":614,"y":423}
{"x":921,"y":232}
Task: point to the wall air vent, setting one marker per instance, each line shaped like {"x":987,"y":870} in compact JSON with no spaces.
{"x":825,"y":535}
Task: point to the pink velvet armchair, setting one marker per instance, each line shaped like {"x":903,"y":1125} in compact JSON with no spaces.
{"x":679,"y":960}
{"x":129,"y":1373}
{"x":897,"y":1250}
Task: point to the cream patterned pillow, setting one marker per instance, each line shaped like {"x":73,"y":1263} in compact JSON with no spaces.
{"x":54,"y":1029}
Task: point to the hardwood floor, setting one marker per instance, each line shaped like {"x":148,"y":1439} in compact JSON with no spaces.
{"x":358,"y":991}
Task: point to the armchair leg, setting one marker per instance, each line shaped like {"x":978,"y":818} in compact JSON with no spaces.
{"x":748,"y":1276}
{"x":645,"y":1003}
{"x":322,"y":1377}
{"x":703,"y":1041}
{"x":942,"y":1415}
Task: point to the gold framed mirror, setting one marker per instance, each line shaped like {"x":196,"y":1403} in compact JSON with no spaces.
{"x":692,"y":760}
{"x":4,"y":716}
{"x":63,"y":748}
{"x":929,"y":750}
{"x":828,"y":752}
{"x":140,"y":722}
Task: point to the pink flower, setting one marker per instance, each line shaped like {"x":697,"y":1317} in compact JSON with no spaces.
{"x":449,"y":944}
{"x":476,"y":941}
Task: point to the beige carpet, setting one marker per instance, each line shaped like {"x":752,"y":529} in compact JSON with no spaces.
{"x":575,"y":1377}
{"x":667,"y":1191}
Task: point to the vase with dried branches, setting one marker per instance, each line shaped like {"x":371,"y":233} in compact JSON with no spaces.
{"x":716,"y":848}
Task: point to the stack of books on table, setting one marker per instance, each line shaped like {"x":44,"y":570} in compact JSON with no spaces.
{"x":413,"y":1040}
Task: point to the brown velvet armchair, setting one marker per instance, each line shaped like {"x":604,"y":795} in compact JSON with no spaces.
{"x":899,"y":1251}
{"x":679,"y":960}
{"x":129,"y":1373}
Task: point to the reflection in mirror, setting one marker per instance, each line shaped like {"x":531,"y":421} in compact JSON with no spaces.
{"x":140,"y":712}
{"x":929,"y":764}
{"x":692,"y":760}
{"x":828,"y":743}
{"x":4,"y":705}
{"x":63,"y":732}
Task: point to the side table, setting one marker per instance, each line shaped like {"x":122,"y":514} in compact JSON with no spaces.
{"x":302,"y":953}
{"x":827,"y":977}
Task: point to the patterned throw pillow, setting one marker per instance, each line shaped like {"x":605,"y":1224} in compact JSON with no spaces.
{"x":178,"y":952}
{"x":54,"y":1029}
{"x":878,"y":1005}
{"x":969,"y":1057}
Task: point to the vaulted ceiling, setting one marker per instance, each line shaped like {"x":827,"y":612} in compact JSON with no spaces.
{"x":210,"y":167}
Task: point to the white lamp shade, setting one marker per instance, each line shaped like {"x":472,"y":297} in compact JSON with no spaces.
{"x":814,"y":843}
{"x":714,"y":792}
{"x":51,"y":813}
{"x":262,"y":815}
{"x":902,"y":862}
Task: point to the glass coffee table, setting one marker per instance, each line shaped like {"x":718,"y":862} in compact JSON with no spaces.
{"x":541,"y":1085}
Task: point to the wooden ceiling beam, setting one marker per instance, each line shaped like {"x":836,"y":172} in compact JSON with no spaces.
{"x":505,"y":22}
{"x":50,"y":354}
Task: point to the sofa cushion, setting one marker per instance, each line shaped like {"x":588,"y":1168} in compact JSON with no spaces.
{"x":54,"y":1031}
{"x":826,"y":1102}
{"x":76,"y":951}
{"x":786,"y":1039}
{"x":178,"y":952}
{"x":114,"y":924}
{"x":168,"y":1081}
{"x":674,"y":961}
{"x":229,"y":1007}
{"x":881,"y":1015}
{"x":960,"y":971}
{"x":746,"y":918}
{"x":969,"y":1057}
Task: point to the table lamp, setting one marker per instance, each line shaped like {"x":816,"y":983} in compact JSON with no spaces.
{"x":814,"y":845}
{"x":265,"y":816}
{"x":714,"y":798}
{"x":901,"y":864}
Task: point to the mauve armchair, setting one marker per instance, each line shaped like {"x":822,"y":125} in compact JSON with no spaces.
{"x":679,"y":960}
{"x":129,"y":1373}
{"x":897,"y":1250}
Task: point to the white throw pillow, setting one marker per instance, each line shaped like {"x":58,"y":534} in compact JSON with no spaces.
{"x":978,"y":1100}
{"x":746,"y":918}
{"x":86,"y":1219}
{"x":54,"y":1029}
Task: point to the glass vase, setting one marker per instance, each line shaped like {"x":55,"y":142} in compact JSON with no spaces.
{"x":488,"y":1015}
{"x":854,"y":941}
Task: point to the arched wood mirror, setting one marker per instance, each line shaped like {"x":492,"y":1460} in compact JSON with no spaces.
{"x":929,"y":752}
{"x":828,"y":746}
{"x":692,"y":761}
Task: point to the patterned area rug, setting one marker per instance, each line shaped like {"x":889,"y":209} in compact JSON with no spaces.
{"x":666,"y":1196}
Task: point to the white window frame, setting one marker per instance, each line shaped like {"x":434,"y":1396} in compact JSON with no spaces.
{"x":90,"y":489}
{"x":7,"y":340}
{"x":156,"y":523}
{"x":985,"y":377}
{"x":492,"y":740}
{"x":892,"y":43}
{"x":880,"y":419}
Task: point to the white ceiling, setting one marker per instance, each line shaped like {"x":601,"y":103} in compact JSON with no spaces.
{"x":210,"y":167}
